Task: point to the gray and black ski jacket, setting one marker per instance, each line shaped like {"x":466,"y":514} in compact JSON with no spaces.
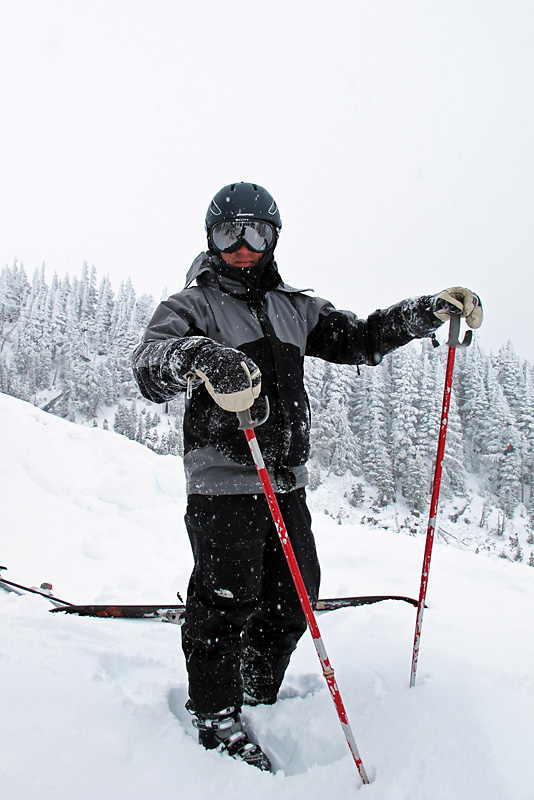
{"x":276,"y":330}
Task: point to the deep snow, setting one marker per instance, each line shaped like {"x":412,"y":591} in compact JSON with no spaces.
{"x":94,"y":708}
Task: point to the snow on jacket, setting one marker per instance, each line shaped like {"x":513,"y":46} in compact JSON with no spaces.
{"x":276,"y":330}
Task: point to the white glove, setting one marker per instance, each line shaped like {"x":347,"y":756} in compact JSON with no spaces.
{"x":467,"y":303}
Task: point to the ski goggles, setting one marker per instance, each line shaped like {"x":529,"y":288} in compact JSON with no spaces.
{"x":229,"y":235}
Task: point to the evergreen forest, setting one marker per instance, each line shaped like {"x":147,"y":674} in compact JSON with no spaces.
{"x":66,"y":346}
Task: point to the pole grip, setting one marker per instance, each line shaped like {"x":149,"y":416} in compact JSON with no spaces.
{"x":454,"y":333}
{"x":245,"y":418}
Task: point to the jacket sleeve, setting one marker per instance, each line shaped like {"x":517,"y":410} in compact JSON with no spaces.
{"x":171,"y":348}
{"x":340,"y":337}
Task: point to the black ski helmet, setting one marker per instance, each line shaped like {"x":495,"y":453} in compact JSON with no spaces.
{"x":243,"y":201}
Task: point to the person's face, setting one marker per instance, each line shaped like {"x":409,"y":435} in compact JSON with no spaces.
{"x":242,"y":257}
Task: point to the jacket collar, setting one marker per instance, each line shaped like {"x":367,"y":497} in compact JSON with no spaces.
{"x":203,"y":271}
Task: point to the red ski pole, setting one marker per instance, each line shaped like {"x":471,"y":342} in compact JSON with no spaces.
{"x":453,"y":342}
{"x":247,"y":425}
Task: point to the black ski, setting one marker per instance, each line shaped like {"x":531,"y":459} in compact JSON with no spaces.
{"x":176,"y":613}
{"x":345,"y":602}
{"x":169,"y":613}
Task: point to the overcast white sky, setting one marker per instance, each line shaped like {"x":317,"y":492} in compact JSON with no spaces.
{"x":397,"y":138}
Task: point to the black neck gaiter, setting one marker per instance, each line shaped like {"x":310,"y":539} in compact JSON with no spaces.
{"x":256,"y":280}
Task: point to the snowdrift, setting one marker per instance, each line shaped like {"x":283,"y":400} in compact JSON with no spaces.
{"x":94,"y":708}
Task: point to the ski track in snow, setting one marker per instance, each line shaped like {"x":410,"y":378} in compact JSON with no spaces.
{"x":94,"y":708}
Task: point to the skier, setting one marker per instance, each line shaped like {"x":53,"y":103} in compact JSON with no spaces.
{"x":234,"y":336}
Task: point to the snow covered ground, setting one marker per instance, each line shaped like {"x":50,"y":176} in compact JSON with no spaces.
{"x":94,"y":708}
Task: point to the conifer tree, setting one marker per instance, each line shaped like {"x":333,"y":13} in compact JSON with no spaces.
{"x":334,"y":442}
{"x":376,"y":453}
{"x":409,"y":465}
{"x":473,"y":403}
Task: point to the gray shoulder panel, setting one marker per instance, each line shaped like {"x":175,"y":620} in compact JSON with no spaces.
{"x":228,"y":320}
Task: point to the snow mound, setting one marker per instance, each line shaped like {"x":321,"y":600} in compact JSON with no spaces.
{"x":94,"y":708}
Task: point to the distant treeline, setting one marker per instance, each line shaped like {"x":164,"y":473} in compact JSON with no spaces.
{"x":66,"y":347}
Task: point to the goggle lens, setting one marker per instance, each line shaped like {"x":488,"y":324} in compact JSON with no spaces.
{"x":228,"y":236}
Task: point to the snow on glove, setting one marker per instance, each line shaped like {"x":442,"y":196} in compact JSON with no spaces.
{"x":460,"y":301}
{"x":231,"y":378}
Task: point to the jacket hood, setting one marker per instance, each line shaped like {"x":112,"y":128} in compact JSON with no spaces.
{"x":201,"y":265}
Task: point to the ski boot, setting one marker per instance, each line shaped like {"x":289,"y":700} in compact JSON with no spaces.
{"x":223,"y":731}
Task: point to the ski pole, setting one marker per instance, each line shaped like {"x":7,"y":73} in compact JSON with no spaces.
{"x":247,"y":425}
{"x":452,"y":343}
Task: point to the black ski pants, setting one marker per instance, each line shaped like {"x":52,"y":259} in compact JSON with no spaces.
{"x":241,"y":591}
